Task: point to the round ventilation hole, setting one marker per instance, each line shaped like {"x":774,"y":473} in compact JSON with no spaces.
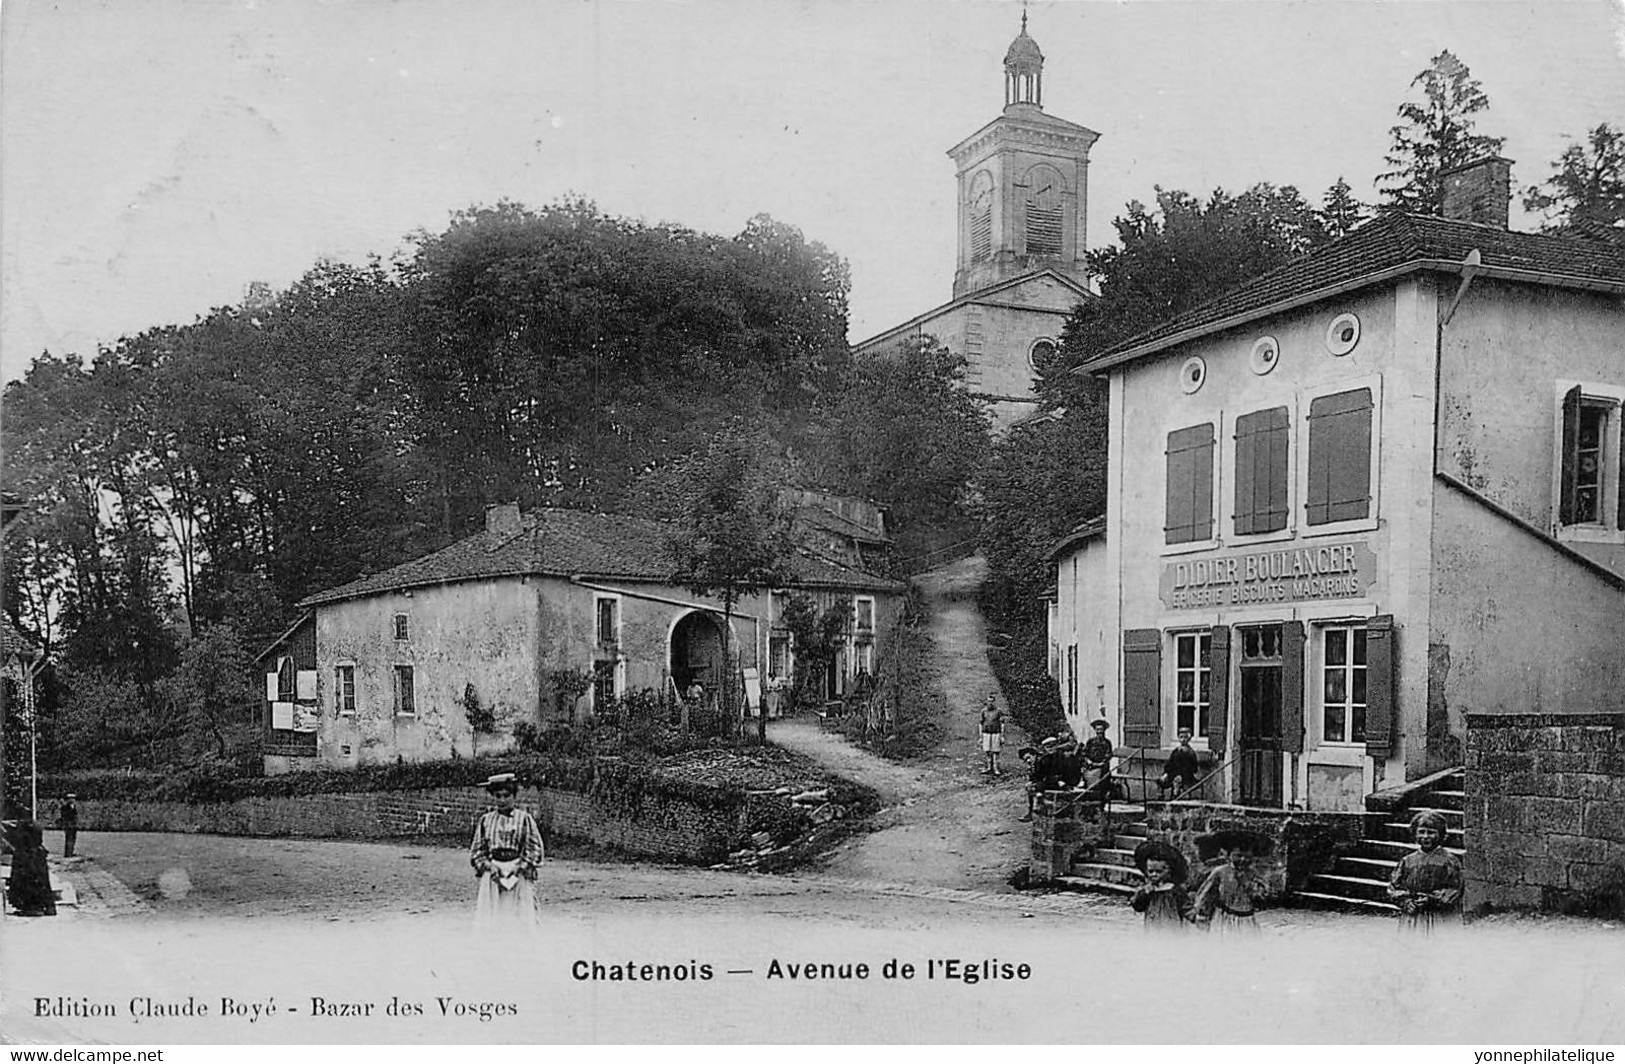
{"x":1192,"y":374}
{"x":1266,"y":355}
{"x":1343,"y":334}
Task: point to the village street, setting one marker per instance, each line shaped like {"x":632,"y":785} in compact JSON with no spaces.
{"x":202,"y":919}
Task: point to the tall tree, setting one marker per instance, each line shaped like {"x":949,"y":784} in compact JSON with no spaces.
{"x":901,"y":428}
{"x":1587,"y":186}
{"x":1340,"y":212}
{"x":733,"y":536}
{"x":1436,"y":133}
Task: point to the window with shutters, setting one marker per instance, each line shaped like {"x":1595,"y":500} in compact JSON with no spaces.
{"x":1338,"y":471}
{"x":403,"y":628}
{"x":1192,"y":681}
{"x":1343,"y":683}
{"x":344,"y":689}
{"x":607,"y":615}
{"x":1261,"y":480}
{"x":1189,"y":490}
{"x":1590,"y":474}
{"x":1045,"y":209}
{"x":406,"y":700}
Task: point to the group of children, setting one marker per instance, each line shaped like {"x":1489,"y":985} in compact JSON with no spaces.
{"x":1425,"y":886}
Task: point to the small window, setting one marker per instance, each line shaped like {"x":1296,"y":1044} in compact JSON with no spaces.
{"x":406,"y":704}
{"x":1592,"y":469}
{"x":863,"y":658}
{"x":344,"y":690}
{"x":403,"y":630}
{"x":603,"y":683}
{"x":1192,"y":680}
{"x":1261,"y":471}
{"x":778,"y":656}
{"x":609,"y":621}
{"x":1072,"y":678}
{"x":1040,"y":352}
{"x":1343,"y":684}
{"x":865,"y":614}
{"x":1339,"y":483}
{"x":1190,"y":485}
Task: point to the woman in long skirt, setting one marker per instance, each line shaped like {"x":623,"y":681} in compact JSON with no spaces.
{"x":506,"y":854}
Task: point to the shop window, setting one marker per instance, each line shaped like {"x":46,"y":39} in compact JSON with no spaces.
{"x":406,"y":701}
{"x":1592,"y":460}
{"x":1343,"y":684}
{"x":1193,"y":695}
{"x":1261,"y":471}
{"x":1190,"y":485}
{"x":344,"y":690}
{"x":1339,"y":480}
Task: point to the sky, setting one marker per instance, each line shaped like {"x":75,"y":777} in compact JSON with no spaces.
{"x":159,"y":156}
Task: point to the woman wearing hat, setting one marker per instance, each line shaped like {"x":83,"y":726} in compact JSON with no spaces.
{"x":506,"y":853}
{"x":1426,"y":884}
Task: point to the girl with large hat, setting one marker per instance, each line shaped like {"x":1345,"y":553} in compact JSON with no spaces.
{"x":506,"y":854}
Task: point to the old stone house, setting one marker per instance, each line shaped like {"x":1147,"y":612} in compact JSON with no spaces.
{"x":384,"y":667}
{"x":1362,"y":510}
{"x":1023,"y":182}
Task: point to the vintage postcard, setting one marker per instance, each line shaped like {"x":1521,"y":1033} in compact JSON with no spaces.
{"x":813,"y":521}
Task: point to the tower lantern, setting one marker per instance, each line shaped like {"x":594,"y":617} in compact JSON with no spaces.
{"x":1023,"y":71}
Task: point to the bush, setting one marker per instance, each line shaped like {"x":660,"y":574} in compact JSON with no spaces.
{"x":1022,"y":668}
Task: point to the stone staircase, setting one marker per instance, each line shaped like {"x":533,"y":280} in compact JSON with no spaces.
{"x":1358,"y":882}
{"x":1111,"y":868}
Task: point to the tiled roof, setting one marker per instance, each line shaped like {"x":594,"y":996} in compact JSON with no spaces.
{"x":13,"y":642}
{"x":574,"y":543}
{"x":1377,"y":251}
{"x":818,"y":517}
{"x":1088,"y":529}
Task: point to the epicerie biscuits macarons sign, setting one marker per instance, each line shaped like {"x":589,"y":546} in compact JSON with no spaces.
{"x":1289,"y":574}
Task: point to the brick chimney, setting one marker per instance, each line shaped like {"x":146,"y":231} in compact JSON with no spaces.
{"x":1479,"y":191}
{"x":502,"y":519}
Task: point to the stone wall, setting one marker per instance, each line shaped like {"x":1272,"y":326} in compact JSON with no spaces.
{"x":1302,"y":844}
{"x":662,"y":826}
{"x":1545,"y":812}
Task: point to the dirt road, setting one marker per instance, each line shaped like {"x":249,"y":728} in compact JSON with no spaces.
{"x":945,"y":824}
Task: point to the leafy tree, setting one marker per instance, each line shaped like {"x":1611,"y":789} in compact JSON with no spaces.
{"x":211,"y":690}
{"x":1340,"y":212}
{"x":901,"y":429}
{"x":1186,"y":251}
{"x":732,"y":537}
{"x":561,"y":354}
{"x":1587,"y":186}
{"x":1435,"y":134}
{"x":817,"y":635}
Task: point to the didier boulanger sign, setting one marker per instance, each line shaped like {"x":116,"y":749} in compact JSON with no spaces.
{"x":1290,"y":574}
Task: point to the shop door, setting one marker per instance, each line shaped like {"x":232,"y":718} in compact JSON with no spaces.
{"x":1259,"y":745}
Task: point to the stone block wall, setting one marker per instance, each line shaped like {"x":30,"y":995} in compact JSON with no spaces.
{"x":1062,"y":829}
{"x":662,"y":826}
{"x":1545,"y":812}
{"x":1302,"y":843}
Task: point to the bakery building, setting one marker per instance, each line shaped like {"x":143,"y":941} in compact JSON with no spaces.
{"x":1356,"y":501}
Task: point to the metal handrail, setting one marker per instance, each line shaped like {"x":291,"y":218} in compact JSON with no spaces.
{"x":1075,"y":796}
{"x":1203,"y":781}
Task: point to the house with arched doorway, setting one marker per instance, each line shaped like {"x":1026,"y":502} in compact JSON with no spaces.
{"x":389,"y":666}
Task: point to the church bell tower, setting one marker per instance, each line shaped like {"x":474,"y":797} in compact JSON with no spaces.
{"x":1023,"y":184}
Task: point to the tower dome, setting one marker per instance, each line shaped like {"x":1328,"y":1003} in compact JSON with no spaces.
{"x":1023,"y":71}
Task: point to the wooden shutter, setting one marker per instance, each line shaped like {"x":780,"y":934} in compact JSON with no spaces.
{"x":1190,"y":485}
{"x":1261,"y":467}
{"x":1339,"y":457}
{"x":1292,"y":684}
{"x":1142,"y":687}
{"x":1571,"y":455}
{"x":1218,"y":714}
{"x":1380,"y":660}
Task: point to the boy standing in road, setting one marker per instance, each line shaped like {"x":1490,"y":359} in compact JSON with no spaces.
{"x":992,"y":736}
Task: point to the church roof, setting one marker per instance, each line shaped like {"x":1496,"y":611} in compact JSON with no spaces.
{"x":1381,"y":250}
{"x":1023,"y":47}
{"x":981,"y":295}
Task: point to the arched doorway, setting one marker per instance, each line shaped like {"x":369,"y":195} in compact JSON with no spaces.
{"x":696,"y":652}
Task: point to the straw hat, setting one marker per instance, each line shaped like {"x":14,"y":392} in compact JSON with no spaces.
{"x":1156,"y":849}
